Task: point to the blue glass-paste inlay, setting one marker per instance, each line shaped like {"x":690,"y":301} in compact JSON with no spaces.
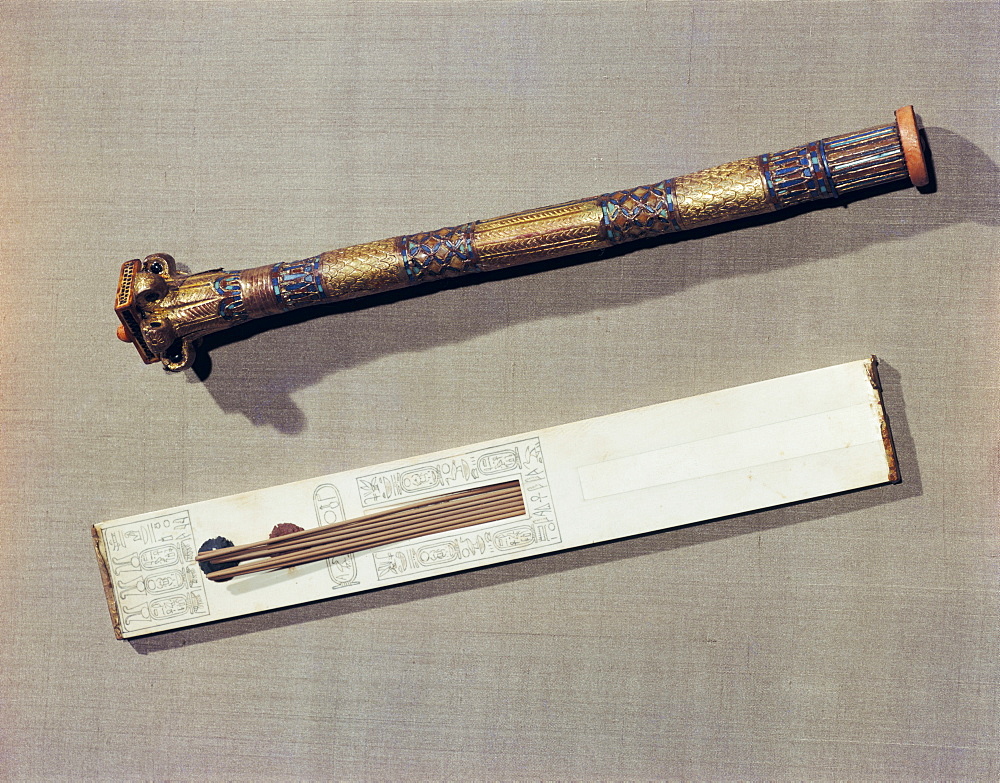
{"x":438,"y":253}
{"x":298,"y":283}
{"x":638,"y":213}
{"x":231,"y":305}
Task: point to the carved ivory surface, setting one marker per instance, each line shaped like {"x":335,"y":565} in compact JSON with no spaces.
{"x":726,"y":452}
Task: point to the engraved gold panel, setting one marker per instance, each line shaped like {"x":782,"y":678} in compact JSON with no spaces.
{"x":258,"y":292}
{"x":362,"y":269}
{"x":539,"y":234}
{"x":726,"y":192}
{"x":195,"y":310}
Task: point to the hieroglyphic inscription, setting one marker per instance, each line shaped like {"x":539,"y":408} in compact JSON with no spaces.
{"x":329,"y":507}
{"x":521,"y":460}
{"x":151,"y":570}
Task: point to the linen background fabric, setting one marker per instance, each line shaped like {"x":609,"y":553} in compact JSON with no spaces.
{"x":851,"y":637}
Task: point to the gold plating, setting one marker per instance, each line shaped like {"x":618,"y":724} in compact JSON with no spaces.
{"x":164,"y":313}
{"x":538,"y":234}
{"x":258,"y":292}
{"x":726,"y":192}
{"x":362,"y":269}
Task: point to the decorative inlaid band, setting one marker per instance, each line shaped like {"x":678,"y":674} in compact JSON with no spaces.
{"x":447,"y":251}
{"x":298,"y":283}
{"x":230,"y":290}
{"x":832,"y":167}
{"x":641,"y":212}
{"x":797,"y":175}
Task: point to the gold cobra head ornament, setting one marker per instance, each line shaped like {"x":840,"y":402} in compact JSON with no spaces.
{"x":163,"y":312}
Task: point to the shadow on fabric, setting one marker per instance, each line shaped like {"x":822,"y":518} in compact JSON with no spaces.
{"x":262,"y":364}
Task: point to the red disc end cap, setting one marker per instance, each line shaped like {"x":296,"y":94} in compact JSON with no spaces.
{"x":913,"y":149}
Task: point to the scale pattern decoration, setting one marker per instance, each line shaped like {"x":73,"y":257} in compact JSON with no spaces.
{"x":727,"y":192}
{"x":360,"y":269}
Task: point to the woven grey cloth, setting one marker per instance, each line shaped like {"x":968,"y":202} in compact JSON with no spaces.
{"x":852,"y":637}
